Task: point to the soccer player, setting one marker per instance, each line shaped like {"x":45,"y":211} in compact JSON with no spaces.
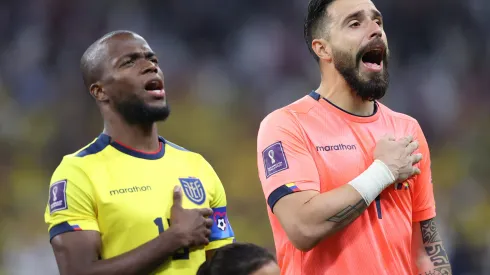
{"x":347,"y":180}
{"x":240,"y":259}
{"x":132,"y":202}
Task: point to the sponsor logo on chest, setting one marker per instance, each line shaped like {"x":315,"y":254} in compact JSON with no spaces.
{"x":134,"y":189}
{"x":337,"y":147}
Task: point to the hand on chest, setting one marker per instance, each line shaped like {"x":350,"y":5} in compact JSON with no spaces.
{"x":141,"y":200}
{"x":344,"y":153}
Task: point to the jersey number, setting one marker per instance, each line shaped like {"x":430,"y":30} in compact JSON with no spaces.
{"x":181,"y":254}
{"x":378,"y":206}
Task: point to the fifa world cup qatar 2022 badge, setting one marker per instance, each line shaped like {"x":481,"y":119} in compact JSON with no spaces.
{"x":274,"y":159}
{"x":57,"y":196}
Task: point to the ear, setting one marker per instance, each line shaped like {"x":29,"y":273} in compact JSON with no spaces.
{"x":98,"y":92}
{"x":322,"y":49}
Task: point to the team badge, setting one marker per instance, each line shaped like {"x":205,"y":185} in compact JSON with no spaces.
{"x":274,"y":159}
{"x":57,"y":196}
{"x":193,"y":190}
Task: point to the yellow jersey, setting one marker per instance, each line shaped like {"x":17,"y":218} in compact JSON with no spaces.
{"x":126,"y":196}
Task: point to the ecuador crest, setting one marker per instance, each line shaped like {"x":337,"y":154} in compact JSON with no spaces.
{"x":193,"y":190}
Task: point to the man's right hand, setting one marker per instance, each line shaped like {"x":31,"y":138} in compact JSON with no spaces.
{"x":192,"y":226}
{"x":398,"y":156}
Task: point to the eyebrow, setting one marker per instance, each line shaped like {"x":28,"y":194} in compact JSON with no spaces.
{"x":357,"y":14}
{"x":136,"y":55}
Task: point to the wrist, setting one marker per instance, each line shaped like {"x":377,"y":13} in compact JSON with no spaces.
{"x":393,"y":174}
{"x":174,"y":237}
{"x":373,"y":181}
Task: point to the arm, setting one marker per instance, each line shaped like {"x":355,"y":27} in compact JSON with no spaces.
{"x":75,"y":239}
{"x":308,"y":217}
{"x":221,"y":231}
{"x":79,"y":253}
{"x":428,"y":251}
{"x":291,"y":183}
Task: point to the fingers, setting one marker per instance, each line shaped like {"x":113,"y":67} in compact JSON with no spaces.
{"x":406,"y":140}
{"x":205,"y":241}
{"x":177,"y":196}
{"x":416,"y":171}
{"x":389,"y":137}
{"x":209,"y":222}
{"x":206,"y":212}
{"x":414,"y":145}
{"x":416,"y":158}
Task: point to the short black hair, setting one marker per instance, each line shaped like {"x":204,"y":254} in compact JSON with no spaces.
{"x":236,"y":259}
{"x":94,"y":56}
{"x":316,"y":18}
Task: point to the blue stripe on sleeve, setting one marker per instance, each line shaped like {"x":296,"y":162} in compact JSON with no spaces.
{"x":277,"y":194}
{"x":221,"y":228}
{"x":62,"y":228}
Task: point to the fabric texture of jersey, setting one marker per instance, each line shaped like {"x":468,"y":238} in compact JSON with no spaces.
{"x":313,"y":145}
{"x":126,"y":195}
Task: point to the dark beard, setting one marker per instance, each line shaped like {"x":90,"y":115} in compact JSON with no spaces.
{"x":135,"y":112}
{"x":372,"y":89}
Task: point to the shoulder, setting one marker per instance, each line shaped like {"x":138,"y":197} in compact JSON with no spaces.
{"x":191,"y":160}
{"x":400,"y":118}
{"x":180,"y":153}
{"x":84,"y":157}
{"x":93,"y":148}
{"x":70,"y":168}
{"x":287,"y":116}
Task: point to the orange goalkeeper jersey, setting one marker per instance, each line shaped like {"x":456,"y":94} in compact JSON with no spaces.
{"x":313,"y":145}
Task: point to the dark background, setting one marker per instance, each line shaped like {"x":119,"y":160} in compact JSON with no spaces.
{"x":227,"y":64}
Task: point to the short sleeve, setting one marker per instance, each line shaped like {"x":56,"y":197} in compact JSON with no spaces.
{"x":284,"y":161}
{"x":71,"y":205}
{"x":221,"y":231}
{"x":424,"y":207}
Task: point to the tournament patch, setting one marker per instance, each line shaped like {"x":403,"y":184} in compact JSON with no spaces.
{"x":57,"y":196}
{"x":274,"y":159}
{"x":193,"y":190}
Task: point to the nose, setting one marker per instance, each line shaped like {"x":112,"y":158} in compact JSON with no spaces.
{"x":150,"y":68}
{"x":375,"y":31}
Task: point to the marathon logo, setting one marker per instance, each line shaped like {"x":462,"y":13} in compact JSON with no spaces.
{"x":339,"y":147}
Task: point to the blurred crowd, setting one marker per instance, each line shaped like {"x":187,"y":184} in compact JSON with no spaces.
{"x":227,"y":64}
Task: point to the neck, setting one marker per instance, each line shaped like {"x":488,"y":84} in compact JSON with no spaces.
{"x":334,"y":88}
{"x":139,"y":137}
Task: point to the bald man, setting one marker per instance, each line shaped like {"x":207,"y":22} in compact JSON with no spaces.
{"x":131,"y":202}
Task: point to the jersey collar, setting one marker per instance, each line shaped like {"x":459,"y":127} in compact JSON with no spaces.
{"x":343,"y":113}
{"x":103,"y":138}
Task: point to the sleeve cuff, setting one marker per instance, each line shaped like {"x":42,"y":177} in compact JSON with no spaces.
{"x":287,"y":189}
{"x":423,"y":215}
{"x":220,"y":243}
{"x":70,"y":227}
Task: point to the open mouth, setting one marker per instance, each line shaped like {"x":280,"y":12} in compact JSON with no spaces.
{"x":155,"y":87}
{"x":373,"y":59}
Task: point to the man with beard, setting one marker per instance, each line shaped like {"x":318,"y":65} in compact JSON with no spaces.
{"x":347,"y":180}
{"x":116,"y":206}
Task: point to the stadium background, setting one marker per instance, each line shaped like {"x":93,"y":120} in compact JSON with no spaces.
{"x":227,"y":64}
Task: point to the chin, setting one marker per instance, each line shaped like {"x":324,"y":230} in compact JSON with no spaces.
{"x":158,"y":113}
